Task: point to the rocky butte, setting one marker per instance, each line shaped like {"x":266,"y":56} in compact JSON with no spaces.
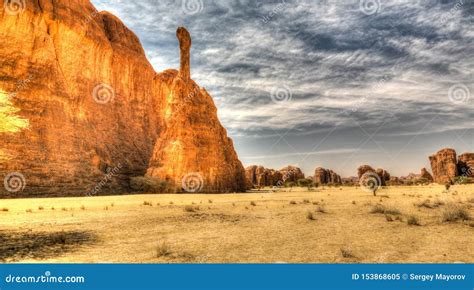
{"x":93,"y":104}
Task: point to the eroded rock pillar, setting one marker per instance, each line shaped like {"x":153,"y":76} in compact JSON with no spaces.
{"x":185,"y":55}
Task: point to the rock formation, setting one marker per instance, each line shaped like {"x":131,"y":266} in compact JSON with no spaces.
{"x":291,"y":174}
{"x":383,"y":175}
{"x":94,"y":104}
{"x":444,"y":166}
{"x":466,"y":164}
{"x":426,"y":175}
{"x":259,"y":176}
{"x":325,"y":176}
{"x":192,"y":140}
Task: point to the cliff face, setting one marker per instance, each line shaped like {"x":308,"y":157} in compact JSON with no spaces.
{"x":95,"y":105}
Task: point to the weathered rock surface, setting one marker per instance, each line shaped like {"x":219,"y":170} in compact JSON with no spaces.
{"x":325,"y":176}
{"x":426,"y":175}
{"x":291,"y":174}
{"x":384,"y":176}
{"x":444,"y":166}
{"x":259,"y":176}
{"x":94,"y":104}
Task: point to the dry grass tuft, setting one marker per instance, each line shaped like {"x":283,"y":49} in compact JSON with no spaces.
{"x":252,"y":203}
{"x":454,"y":212}
{"x":210,"y":201}
{"x":293,"y":202}
{"x":310,"y":216}
{"x":29,"y":210}
{"x":40,"y":207}
{"x":147,"y":203}
{"x":4,"y":209}
{"x":413,"y":220}
{"x":83,"y":207}
{"x":306,"y":201}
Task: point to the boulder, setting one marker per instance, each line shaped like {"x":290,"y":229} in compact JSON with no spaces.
{"x":444,"y":166}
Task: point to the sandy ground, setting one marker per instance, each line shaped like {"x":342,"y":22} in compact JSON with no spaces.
{"x":262,"y":227}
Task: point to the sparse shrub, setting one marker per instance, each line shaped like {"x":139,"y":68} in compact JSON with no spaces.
{"x":471,"y":225}
{"x":83,"y":207}
{"x":315,"y":202}
{"x":380,"y":208}
{"x":447,"y":186}
{"x":321,"y":209}
{"x":310,"y":216}
{"x":293,"y":202}
{"x":148,"y":203}
{"x":171,"y":203}
{"x":40,"y":208}
{"x":112,"y":204}
{"x":306,"y":201}
{"x":106,"y":208}
{"x":454,"y":212}
{"x":347,"y":253}
{"x":389,"y":218}
{"x":353,"y":202}
{"x":29,"y":210}
{"x":210,"y":201}
{"x":163,"y":250}
{"x":470,"y":200}
{"x":52,"y":208}
{"x":252,"y":203}
{"x":305,"y":182}
{"x":233,"y":204}
{"x":5,"y":209}
{"x":413,"y":220}
{"x":64,"y":209}
{"x":149,"y":184}
{"x":460,"y":180}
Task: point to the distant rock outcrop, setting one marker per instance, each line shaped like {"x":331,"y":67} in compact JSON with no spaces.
{"x":325,"y":176}
{"x":444,"y":166}
{"x":466,"y":164}
{"x":291,"y":174}
{"x":426,"y":175}
{"x":383,"y":175}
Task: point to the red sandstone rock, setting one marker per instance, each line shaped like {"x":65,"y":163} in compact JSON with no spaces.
{"x":94,"y":103}
{"x":444,"y":166}
{"x":324,"y":176}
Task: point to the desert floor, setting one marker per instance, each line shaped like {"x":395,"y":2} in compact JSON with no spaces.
{"x":262,"y":227}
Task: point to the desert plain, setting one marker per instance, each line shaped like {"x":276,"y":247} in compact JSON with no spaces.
{"x":402,"y":224}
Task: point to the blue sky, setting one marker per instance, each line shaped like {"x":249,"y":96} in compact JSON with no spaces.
{"x":324,"y":83}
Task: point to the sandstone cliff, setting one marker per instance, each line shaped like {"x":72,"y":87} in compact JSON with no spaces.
{"x":444,"y":165}
{"x":95,"y":105}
